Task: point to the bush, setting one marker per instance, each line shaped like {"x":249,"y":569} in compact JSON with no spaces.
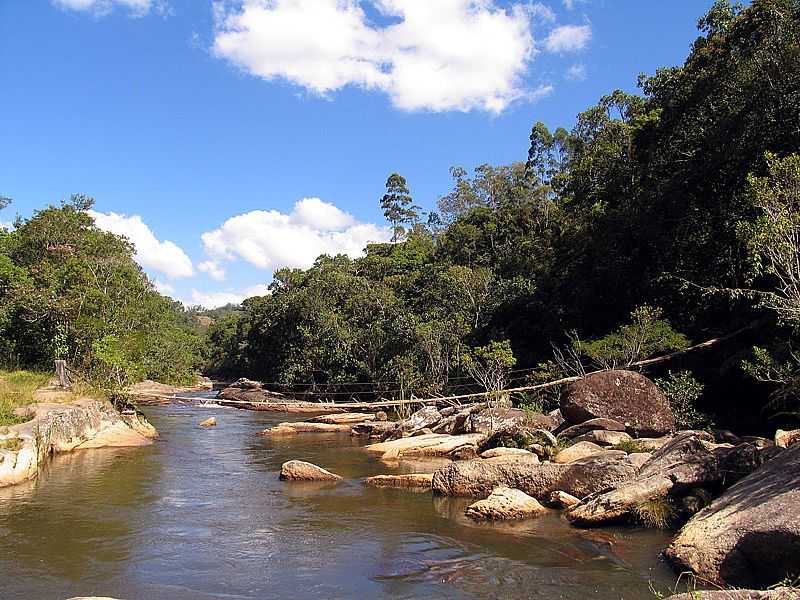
{"x":683,"y":391}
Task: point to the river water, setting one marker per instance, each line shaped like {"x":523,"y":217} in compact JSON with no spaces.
{"x":202,"y":515}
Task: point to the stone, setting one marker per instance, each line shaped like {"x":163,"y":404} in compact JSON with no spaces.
{"x":209,"y":422}
{"x":505,"y":503}
{"x":624,"y":396}
{"x":477,"y":478}
{"x":690,"y":460}
{"x":495,"y":452}
{"x":780,"y":593}
{"x":604,"y":438}
{"x":577,"y":452}
{"x":784,"y":439}
{"x":410,"y":481}
{"x":591,"y":425}
{"x":373,"y":429}
{"x":750,"y":535}
{"x":381,"y":416}
{"x":343,"y":418}
{"x":653,"y":444}
{"x":298,"y":470}
{"x":563,"y":499}
{"x":425,"y":417}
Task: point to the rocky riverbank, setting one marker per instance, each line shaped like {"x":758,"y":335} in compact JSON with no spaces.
{"x":54,"y":428}
{"x":610,"y":455}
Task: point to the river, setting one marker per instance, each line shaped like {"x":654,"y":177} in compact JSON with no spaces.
{"x":202,"y":515}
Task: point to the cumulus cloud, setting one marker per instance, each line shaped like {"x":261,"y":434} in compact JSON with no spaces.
{"x":568,"y":38}
{"x":217,"y":299}
{"x":270,"y":239}
{"x":576,"y":72}
{"x":151,"y":253}
{"x":443,"y":55}
{"x":102,"y":7}
{"x":213,"y":269}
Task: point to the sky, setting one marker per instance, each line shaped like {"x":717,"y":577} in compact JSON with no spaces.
{"x":229,"y":138}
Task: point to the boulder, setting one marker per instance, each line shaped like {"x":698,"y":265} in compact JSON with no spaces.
{"x":477,"y":478}
{"x":410,"y":481}
{"x":209,"y":422}
{"x":372,"y":429}
{"x":505,"y":504}
{"x":432,"y":444}
{"x":591,"y":425}
{"x":690,"y":460}
{"x":563,"y":499}
{"x":298,"y":470}
{"x":494,"y":419}
{"x":245,"y":390}
{"x":495,"y":452}
{"x":604,"y":438}
{"x":776,"y":593}
{"x":749,"y":536}
{"x":343,"y":418}
{"x":577,"y":452}
{"x":425,"y":418}
{"x":784,"y":439}
{"x":624,"y":396}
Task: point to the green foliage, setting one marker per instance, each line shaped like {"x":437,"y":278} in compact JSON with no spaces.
{"x":658,"y":513}
{"x":780,"y":368}
{"x":630,"y":446}
{"x":647,"y":334}
{"x":17,"y":389}
{"x":683,"y":390}
{"x":490,"y":364}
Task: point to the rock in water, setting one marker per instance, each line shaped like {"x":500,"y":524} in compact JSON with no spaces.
{"x":624,"y":396}
{"x":749,"y":536}
{"x":210,"y":422}
{"x":505,"y":503}
{"x":563,"y":499}
{"x":411,"y":481}
{"x":298,"y":470}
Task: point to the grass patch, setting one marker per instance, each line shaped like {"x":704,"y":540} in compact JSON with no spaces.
{"x":658,"y":513}
{"x":13,"y":444}
{"x":631,"y":447}
{"x":17,"y":389}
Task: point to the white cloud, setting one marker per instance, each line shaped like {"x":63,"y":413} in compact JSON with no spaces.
{"x":568,"y":38}
{"x":576,"y":72}
{"x":164,"y":288}
{"x":442,"y":55}
{"x":213,"y":268}
{"x":103,"y":7}
{"x":270,"y":239}
{"x":571,"y":4}
{"x":164,"y":257}
{"x":217,"y":299}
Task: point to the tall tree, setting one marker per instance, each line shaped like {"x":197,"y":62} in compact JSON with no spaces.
{"x":398,"y":207}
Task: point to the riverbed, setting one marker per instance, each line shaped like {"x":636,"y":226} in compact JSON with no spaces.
{"x":202,"y":515}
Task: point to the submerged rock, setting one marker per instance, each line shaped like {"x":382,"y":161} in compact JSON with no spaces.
{"x":298,"y":470}
{"x":749,"y":536}
{"x":624,"y":396}
{"x":412,"y":481}
{"x":505,"y":503}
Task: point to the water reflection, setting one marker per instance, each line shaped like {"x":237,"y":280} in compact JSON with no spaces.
{"x":202,"y":515}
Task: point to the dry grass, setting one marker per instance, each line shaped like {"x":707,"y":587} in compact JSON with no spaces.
{"x":18,"y":389}
{"x":658,"y":513}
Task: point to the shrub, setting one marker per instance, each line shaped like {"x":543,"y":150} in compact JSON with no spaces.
{"x":683,"y":390}
{"x":658,"y":513}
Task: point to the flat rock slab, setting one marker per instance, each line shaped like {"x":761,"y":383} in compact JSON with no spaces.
{"x":604,"y":438}
{"x":210,"y":422}
{"x":577,"y":452}
{"x":409,"y":481}
{"x":299,"y":470}
{"x":305,"y":427}
{"x":495,"y":452}
{"x":504,"y":504}
{"x":343,"y":418}
{"x":431,"y":444}
{"x":591,"y":425}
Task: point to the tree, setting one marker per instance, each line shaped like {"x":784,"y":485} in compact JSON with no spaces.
{"x":397,"y":205}
{"x":490,"y":365}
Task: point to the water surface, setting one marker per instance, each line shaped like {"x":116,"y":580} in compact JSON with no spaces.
{"x":202,"y":515}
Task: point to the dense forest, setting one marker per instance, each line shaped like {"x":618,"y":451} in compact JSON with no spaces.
{"x":661,"y":219}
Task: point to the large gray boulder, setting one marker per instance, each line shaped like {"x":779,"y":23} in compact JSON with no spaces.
{"x":690,"y":461}
{"x":749,"y":536}
{"x":477,"y":478}
{"x":624,"y":396}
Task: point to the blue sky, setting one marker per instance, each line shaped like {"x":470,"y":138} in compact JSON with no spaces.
{"x":230,"y":138}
